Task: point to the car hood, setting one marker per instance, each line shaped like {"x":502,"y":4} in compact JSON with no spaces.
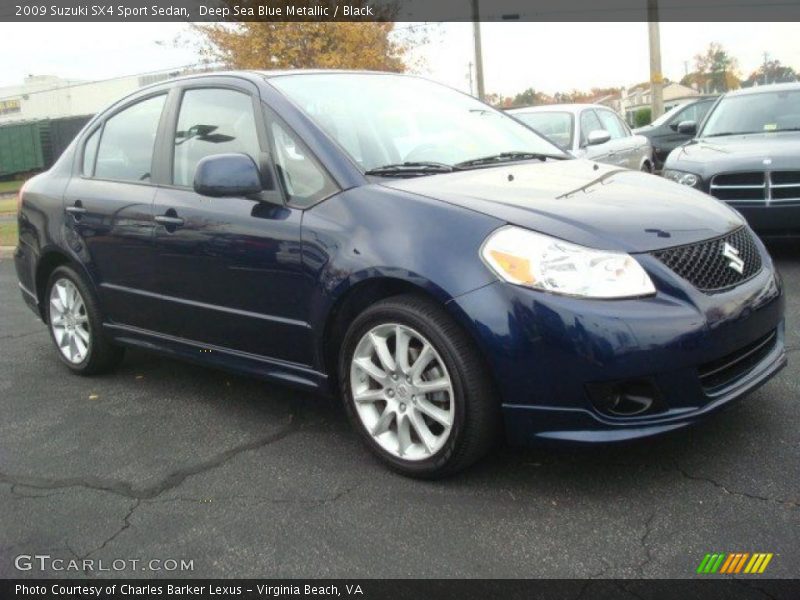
{"x":738,"y":153}
{"x":583,"y":202}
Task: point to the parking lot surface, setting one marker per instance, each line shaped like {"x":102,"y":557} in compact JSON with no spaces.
{"x":164,"y":460}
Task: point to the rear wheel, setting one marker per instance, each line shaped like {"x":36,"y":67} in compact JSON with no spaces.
{"x":416,"y":389}
{"x":76,"y":325}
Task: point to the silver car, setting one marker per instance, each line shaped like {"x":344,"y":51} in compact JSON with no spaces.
{"x":590,"y":131}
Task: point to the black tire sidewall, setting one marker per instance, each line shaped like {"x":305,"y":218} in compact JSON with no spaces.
{"x":431,"y":330}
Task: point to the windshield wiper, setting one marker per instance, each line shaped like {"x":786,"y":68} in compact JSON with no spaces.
{"x":506,"y":157}
{"x":727,"y":133}
{"x":411,"y":169}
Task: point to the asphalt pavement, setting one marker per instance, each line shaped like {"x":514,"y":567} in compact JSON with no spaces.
{"x":168,"y":461}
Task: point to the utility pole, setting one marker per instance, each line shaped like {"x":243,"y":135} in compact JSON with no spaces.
{"x":476,"y":32}
{"x":656,"y":77}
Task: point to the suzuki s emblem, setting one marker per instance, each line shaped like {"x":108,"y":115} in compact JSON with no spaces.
{"x":732,"y":254}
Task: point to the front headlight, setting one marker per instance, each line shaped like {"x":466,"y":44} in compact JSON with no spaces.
{"x":537,"y":261}
{"x":682,"y":177}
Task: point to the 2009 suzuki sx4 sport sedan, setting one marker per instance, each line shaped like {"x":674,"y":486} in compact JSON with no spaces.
{"x":452,"y":274}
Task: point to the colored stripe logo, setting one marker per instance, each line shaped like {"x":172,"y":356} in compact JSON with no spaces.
{"x":733,"y":563}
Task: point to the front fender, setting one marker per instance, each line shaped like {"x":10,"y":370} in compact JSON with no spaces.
{"x":374,"y":232}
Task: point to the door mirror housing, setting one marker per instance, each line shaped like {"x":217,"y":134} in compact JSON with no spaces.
{"x":597,"y":137}
{"x":687,"y":127}
{"x":227,"y":175}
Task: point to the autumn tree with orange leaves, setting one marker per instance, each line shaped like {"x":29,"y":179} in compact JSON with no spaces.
{"x":304,"y":45}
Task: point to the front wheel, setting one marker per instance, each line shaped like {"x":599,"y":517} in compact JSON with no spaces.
{"x":416,"y":389}
{"x":76,"y":325}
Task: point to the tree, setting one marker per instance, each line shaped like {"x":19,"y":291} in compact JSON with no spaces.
{"x":642,"y":117}
{"x":772,"y":71}
{"x":531,"y":97}
{"x":303,"y":45}
{"x":715,"y":70}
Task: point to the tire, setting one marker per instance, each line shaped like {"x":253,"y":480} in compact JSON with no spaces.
{"x":78,"y":318}
{"x":469,"y":404}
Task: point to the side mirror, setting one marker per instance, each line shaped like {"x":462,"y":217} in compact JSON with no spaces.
{"x":227,"y":175}
{"x":687,"y":127}
{"x":673,"y":126}
{"x":597,"y":137}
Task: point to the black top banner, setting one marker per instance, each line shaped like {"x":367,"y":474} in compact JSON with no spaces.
{"x":400,"y":10}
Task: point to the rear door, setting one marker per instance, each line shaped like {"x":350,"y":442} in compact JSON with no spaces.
{"x":109,"y":206}
{"x":228,"y":270}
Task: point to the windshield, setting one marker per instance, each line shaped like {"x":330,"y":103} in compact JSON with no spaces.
{"x":556,"y":126}
{"x":755,"y":113}
{"x":390,"y":119}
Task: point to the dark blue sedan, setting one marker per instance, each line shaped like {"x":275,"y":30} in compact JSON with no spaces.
{"x":448,"y":271}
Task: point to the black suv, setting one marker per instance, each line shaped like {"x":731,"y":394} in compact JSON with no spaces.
{"x":747,"y":153}
{"x":663,"y":132}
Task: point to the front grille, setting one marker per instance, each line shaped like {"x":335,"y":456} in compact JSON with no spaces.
{"x":724,"y":371}
{"x":757,"y":187}
{"x":705,"y":265}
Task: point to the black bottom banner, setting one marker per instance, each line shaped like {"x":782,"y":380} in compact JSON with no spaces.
{"x":412,"y":589}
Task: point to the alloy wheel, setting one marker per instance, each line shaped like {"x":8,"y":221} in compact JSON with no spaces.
{"x":402,"y":391}
{"x":69,"y":321}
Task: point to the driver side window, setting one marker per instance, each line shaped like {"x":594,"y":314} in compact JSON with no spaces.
{"x":212,"y":121}
{"x":612,"y":124}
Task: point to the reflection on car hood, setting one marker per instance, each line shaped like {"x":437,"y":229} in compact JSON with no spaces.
{"x":583,"y":202}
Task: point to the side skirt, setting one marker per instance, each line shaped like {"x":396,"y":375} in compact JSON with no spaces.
{"x":227,"y":359}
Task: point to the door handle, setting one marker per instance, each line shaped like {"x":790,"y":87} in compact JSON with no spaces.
{"x":171,"y":219}
{"x":76,"y":210}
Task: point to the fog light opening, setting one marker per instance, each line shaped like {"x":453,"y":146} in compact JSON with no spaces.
{"x":624,"y":398}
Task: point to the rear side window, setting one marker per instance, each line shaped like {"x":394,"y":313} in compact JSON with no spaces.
{"x":90,"y":153}
{"x":212,"y":121}
{"x":126,"y":145}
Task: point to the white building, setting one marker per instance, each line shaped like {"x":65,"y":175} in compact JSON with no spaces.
{"x":51,"y":97}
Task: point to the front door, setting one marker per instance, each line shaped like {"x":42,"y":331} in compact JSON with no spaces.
{"x":228,"y":270}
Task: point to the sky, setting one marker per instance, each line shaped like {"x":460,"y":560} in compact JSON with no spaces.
{"x":549,"y":57}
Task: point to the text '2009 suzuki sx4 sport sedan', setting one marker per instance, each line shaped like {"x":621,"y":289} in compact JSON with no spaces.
{"x":446,"y":269}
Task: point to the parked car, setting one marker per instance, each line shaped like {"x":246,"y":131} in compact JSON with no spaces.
{"x":589,"y":131}
{"x":663,"y":132}
{"x":747,"y":154}
{"x":443,"y":268}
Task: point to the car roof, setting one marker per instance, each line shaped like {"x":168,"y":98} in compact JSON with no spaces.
{"x":283,"y":72}
{"x":570,"y":108}
{"x":255,"y":74}
{"x":771,"y":87}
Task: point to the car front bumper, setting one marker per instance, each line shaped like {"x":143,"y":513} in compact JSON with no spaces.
{"x":547,"y":352}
